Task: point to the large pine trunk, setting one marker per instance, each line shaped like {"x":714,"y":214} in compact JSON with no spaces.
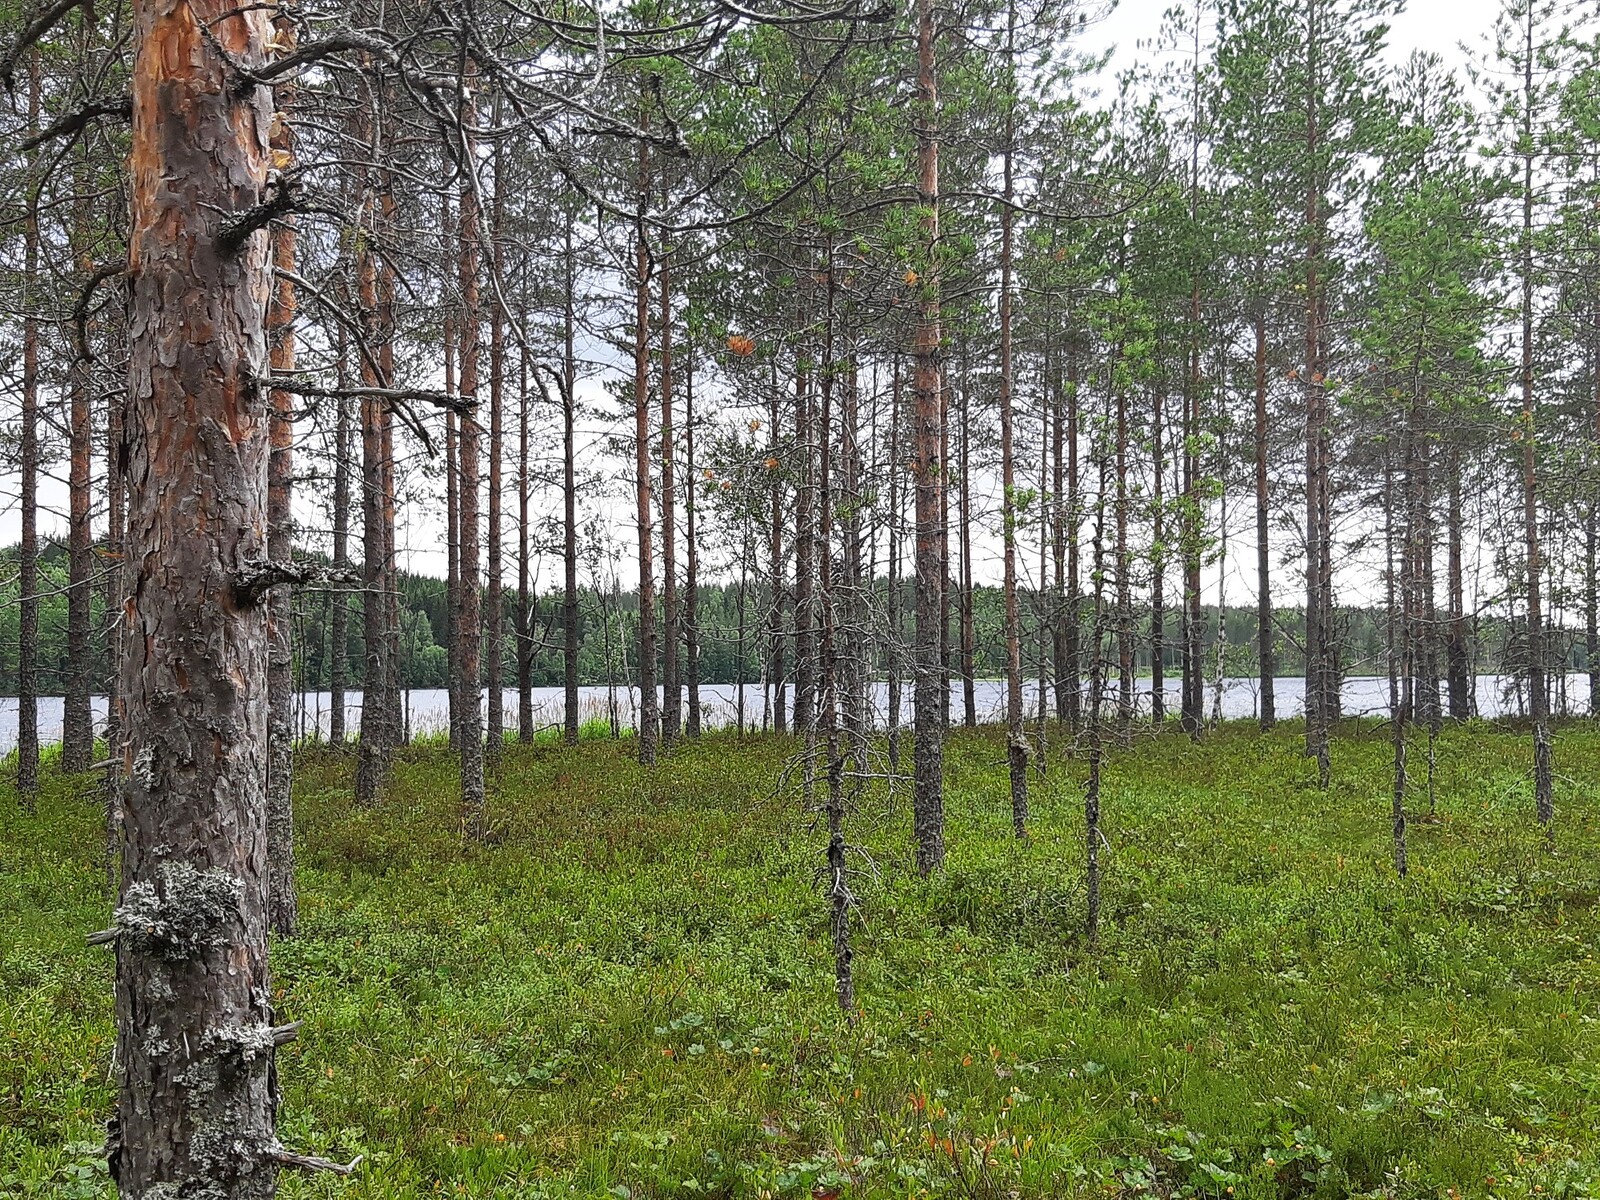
{"x":196,"y":1100}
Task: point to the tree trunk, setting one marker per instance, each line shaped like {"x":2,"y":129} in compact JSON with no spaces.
{"x":775,"y":661}
{"x":1158,"y":566}
{"x":282,"y":903}
{"x":931,"y":693}
{"x":494,"y":602}
{"x":968,"y":618}
{"x":469,"y":655}
{"x":1016,"y":740}
{"x":196,"y":1100}
{"x":1265,"y":657}
{"x":522,"y":624}
{"x":372,"y":764}
{"x":672,"y":684}
{"x":569,"y":490}
{"x":691,"y":581}
{"x":338,"y":666}
{"x":28,"y":551}
{"x":649,"y":723}
{"x":892,"y":647}
{"x":1538,"y":686}
{"x":77,"y":726}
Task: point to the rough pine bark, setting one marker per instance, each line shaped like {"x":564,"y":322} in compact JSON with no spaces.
{"x":195,"y":1104}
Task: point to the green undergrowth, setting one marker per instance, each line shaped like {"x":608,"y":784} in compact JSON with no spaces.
{"x":628,"y":991}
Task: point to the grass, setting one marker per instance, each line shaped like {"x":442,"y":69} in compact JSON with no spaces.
{"x":628,"y":993}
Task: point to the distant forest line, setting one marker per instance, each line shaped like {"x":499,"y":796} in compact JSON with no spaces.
{"x":609,"y":623}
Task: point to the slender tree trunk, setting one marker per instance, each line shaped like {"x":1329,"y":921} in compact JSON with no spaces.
{"x":691,"y":580}
{"x":1158,"y":566}
{"x":196,"y":1096}
{"x":114,"y":591}
{"x":494,"y":601}
{"x":671,"y":633}
{"x":1538,"y":687}
{"x":522,"y":624}
{"x":1458,"y":658}
{"x":569,"y":486}
{"x":931,"y":693}
{"x":1069,"y":621}
{"x":1124,"y":559}
{"x":1094,"y":729}
{"x":968,"y":618}
{"x":452,"y":508}
{"x":469,"y":655}
{"x":775,"y":661}
{"x":1016,"y":739}
{"x":1397,"y":710}
{"x":805,"y":551}
{"x":28,"y":551}
{"x":77,"y":727}
{"x":1317,"y":716}
{"x":893,"y":655}
{"x":338,"y":662}
{"x":1265,"y":657}
{"x":373,"y":761}
{"x":395,"y":730}
{"x":282,"y":902}
{"x":649,"y":712}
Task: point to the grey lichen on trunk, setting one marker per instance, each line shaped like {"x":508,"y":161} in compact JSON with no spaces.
{"x":195,"y":1114}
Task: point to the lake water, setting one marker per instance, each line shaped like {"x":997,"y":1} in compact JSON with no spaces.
{"x":428,"y":708}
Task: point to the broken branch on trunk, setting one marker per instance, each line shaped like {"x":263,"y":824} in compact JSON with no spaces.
{"x":255,"y":578}
{"x":80,"y":310}
{"x":73,"y":122}
{"x":460,"y":405}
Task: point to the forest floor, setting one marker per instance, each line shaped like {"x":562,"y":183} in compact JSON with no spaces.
{"x":629,"y":992}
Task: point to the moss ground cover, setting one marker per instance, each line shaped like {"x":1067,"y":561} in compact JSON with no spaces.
{"x":628,"y":991}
